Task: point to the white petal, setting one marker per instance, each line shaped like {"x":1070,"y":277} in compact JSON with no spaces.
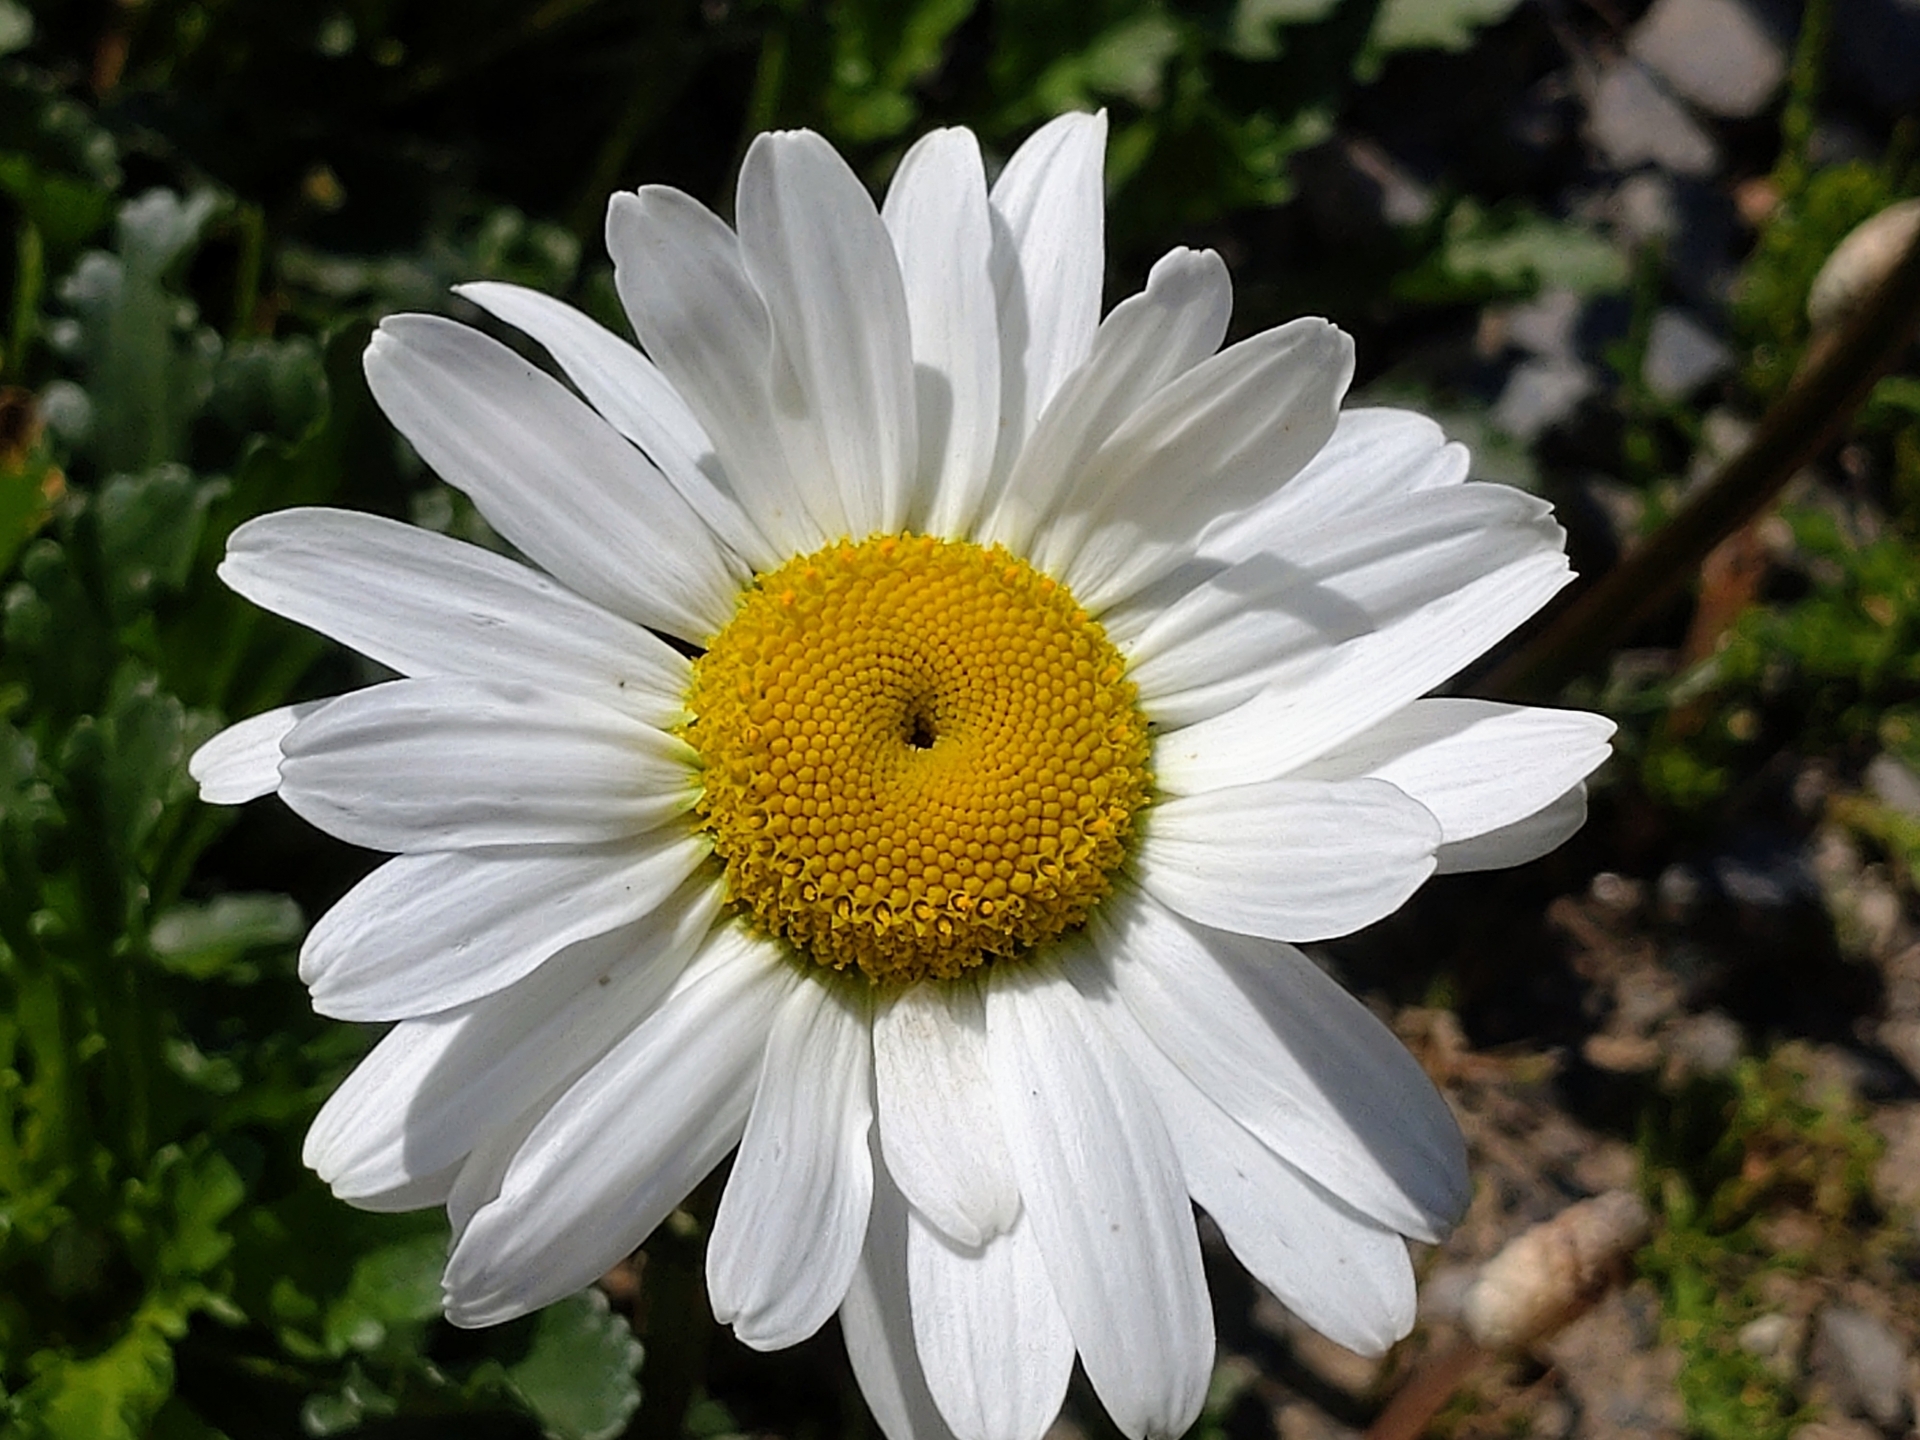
{"x":1288,"y":859}
{"x":242,"y":762}
{"x":1345,"y":1275}
{"x":936,"y":212}
{"x":993,"y":1344}
{"x":1049,"y":258}
{"x":1374,"y":458}
{"x":1543,"y":831}
{"x":1275,"y":616}
{"x":1102,"y":1188}
{"x":423,"y":604}
{"x":823,"y":263}
{"x":938,"y":1127}
{"x":421,"y":1194}
{"x":434,"y":1088}
{"x":455,"y":764}
{"x":552,"y":476}
{"x":877,"y":1321}
{"x":1293,"y":722}
{"x":485,"y":1169}
{"x":425,"y":933}
{"x":627,"y":1141}
{"x":1294,"y":1058}
{"x":625,"y":387}
{"x":1210,"y":443}
{"x":794,"y":1214}
{"x":1149,"y":340}
{"x":678,"y":270}
{"x":1477,"y":765}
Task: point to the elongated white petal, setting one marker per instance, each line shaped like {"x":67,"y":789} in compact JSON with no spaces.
{"x":1294,"y":1058}
{"x":1345,"y":1275}
{"x":484,"y":1170}
{"x":551,"y":475}
{"x":1288,"y":859}
{"x":434,"y":1088}
{"x":993,"y":1343}
{"x":627,"y":1141}
{"x":626,"y":388}
{"x":425,"y":933}
{"x":1542,"y":832}
{"x":678,"y":270}
{"x":876,"y":1320}
{"x":1477,"y":765}
{"x":456,"y":764}
{"x":1049,"y":255}
{"x":242,"y":762}
{"x":938,"y":1126}
{"x":1293,"y":722}
{"x":1102,"y":1187}
{"x":1375,"y":457}
{"x":936,"y":212}
{"x":1208,"y":444}
{"x":823,"y":263}
{"x":1149,"y":340}
{"x":421,"y":1194}
{"x":1273,"y":618}
{"x":794,"y":1215}
{"x":426,"y":605}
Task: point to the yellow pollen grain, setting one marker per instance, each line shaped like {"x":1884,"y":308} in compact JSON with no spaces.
{"x":920,"y":756}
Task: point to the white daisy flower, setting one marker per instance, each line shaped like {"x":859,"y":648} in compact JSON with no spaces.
{"x":1055,"y":676}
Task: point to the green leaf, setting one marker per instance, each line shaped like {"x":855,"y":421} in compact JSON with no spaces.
{"x":1255,"y":26}
{"x":204,"y":941}
{"x":67,"y":212}
{"x":53,"y":626}
{"x":149,"y":528}
{"x":30,"y":483}
{"x":145,"y":765}
{"x":271,"y":387}
{"x":148,"y":366}
{"x":1433,"y":24}
{"x":883,"y":49}
{"x":1129,"y":61}
{"x":110,"y":1396}
{"x":395,"y":1285}
{"x":1511,"y":250}
{"x":578,"y":1376}
{"x":16,"y":27}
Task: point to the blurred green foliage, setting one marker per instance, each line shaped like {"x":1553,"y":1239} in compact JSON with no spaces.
{"x":1723,"y":1158}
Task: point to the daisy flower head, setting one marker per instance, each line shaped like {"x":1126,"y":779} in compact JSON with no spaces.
{"x":1053,"y":676}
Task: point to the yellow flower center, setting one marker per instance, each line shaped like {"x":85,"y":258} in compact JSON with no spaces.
{"x":921,"y":756}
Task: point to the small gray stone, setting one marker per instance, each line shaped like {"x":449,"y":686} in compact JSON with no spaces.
{"x":1774,"y":1339}
{"x":1864,"y":1364}
{"x":1894,"y":784}
{"x":1546,"y":325}
{"x":1709,"y":1044}
{"x":1715,"y":53}
{"x":1633,"y":121}
{"x":1682,"y":355}
{"x":1539,"y":394}
{"x":1646,"y":208}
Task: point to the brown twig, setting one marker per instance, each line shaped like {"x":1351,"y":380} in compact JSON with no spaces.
{"x":1415,"y":1403}
{"x":1839,"y":374}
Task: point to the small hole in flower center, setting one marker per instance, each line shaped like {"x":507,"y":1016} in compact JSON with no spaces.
{"x":920,"y":730}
